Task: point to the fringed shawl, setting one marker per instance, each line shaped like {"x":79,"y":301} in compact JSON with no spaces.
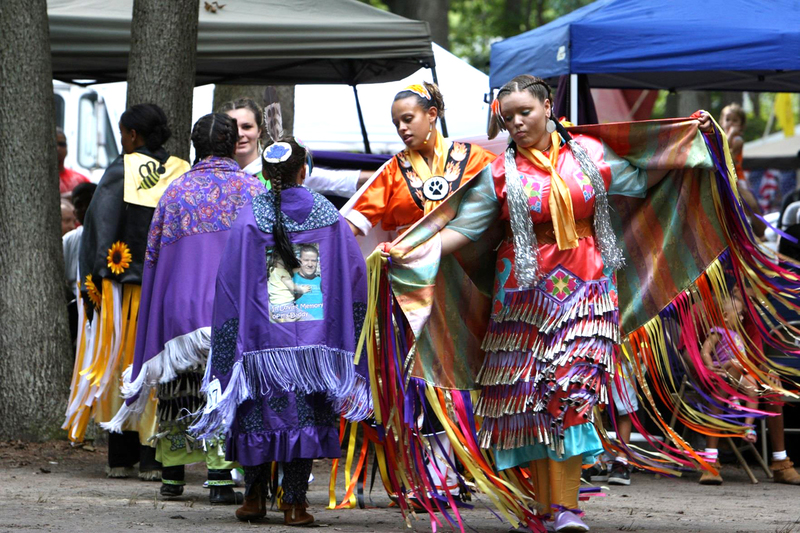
{"x":187,"y":236}
{"x":677,"y":242}
{"x":258,"y":347}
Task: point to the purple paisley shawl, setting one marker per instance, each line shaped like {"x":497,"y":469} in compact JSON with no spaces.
{"x":187,"y":236}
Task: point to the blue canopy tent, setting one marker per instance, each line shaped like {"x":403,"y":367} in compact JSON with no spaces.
{"x":734,"y":45}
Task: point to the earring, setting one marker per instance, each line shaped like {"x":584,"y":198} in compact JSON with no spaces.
{"x":550,"y":126}
{"x":428,"y":137}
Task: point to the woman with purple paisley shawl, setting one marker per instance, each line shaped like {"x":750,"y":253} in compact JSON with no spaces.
{"x":187,"y":236}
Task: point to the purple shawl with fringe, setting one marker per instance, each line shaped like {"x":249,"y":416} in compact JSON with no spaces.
{"x":279,"y":336}
{"x":188,"y":233}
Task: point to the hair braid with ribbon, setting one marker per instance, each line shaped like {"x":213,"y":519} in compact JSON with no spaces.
{"x":282,"y":162}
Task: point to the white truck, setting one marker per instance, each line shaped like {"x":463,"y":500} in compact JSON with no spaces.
{"x":89,"y":117}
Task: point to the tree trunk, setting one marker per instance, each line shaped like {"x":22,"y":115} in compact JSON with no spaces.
{"x":691,"y":101}
{"x":35,"y":351}
{"x":161,"y":64}
{"x":434,"y":12}
{"x":227,"y":93}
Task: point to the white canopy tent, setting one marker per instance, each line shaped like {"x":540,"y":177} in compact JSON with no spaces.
{"x":325,"y":116}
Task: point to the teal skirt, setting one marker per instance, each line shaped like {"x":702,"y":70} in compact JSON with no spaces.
{"x":578,"y":440}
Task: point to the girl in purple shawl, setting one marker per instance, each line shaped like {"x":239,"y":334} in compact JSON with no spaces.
{"x":289,"y":306}
{"x":187,"y":236}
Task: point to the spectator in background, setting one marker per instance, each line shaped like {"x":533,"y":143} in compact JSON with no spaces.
{"x":68,"y":178}
{"x":250,"y":119}
{"x":81,"y":196}
{"x":67,"y":217}
{"x":732,"y":121}
{"x":71,"y":242}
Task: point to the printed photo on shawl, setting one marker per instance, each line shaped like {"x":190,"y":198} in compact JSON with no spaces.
{"x":295,"y":295}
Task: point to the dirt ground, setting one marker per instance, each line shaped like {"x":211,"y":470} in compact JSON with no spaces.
{"x":53,"y":487}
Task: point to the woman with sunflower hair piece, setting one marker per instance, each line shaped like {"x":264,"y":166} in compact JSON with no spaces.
{"x":192,"y":220}
{"x":111,"y":262}
{"x":287,"y":315}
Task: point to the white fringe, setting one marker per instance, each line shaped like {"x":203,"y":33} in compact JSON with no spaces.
{"x":179,"y":354}
{"x":115,"y":424}
{"x":357,"y":405}
{"x":218,"y":420}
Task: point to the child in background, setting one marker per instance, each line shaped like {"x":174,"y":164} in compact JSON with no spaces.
{"x":732,"y":121}
{"x":719,"y":354}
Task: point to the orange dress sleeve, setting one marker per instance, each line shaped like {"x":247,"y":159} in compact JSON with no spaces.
{"x":373,"y":201}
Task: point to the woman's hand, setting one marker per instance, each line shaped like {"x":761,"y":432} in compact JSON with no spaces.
{"x":383,"y":248}
{"x":706,"y":124}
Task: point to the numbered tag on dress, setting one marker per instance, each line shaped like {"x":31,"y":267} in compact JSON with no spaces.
{"x":213,"y":396}
{"x":436,"y":188}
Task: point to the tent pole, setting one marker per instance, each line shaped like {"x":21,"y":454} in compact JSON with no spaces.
{"x":361,"y":122}
{"x":573,"y":98}
{"x":441,"y":118}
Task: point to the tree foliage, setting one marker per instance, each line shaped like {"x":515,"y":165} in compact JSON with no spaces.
{"x":476,"y":24}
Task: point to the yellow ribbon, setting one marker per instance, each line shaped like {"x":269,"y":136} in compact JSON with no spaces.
{"x":426,"y":172}
{"x":560,"y":200}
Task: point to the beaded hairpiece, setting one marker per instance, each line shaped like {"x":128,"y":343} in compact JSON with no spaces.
{"x":419,"y":90}
{"x":495,"y":108}
{"x":277,"y":152}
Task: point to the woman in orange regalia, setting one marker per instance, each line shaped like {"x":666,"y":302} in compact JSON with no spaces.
{"x":414,"y":182}
{"x":417,"y":179}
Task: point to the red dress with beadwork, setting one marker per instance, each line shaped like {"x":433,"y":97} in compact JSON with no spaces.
{"x":548,"y":347}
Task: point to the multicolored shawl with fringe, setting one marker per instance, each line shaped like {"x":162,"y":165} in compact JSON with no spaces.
{"x":677,"y":241}
{"x":262,"y":347}
{"x":192,"y":220}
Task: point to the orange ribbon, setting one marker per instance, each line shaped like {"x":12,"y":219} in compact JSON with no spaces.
{"x":560,"y":200}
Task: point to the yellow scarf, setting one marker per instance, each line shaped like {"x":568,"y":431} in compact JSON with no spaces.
{"x":421,"y":168}
{"x":560,"y":199}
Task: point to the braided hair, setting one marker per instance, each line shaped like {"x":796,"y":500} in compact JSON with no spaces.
{"x":215,"y":134}
{"x":283,"y":175}
{"x":436,"y":100}
{"x":537,"y":87}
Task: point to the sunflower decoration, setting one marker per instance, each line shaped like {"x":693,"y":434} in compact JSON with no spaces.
{"x":119,"y":257}
{"x":92,"y":292}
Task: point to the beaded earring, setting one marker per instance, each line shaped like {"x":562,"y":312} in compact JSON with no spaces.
{"x":428,"y":137}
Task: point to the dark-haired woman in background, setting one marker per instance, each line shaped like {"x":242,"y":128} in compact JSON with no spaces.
{"x":191,"y":222}
{"x":283,"y":370}
{"x":111,"y":262}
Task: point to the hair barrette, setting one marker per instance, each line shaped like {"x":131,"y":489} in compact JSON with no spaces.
{"x":277,"y":152}
{"x":419,"y":90}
